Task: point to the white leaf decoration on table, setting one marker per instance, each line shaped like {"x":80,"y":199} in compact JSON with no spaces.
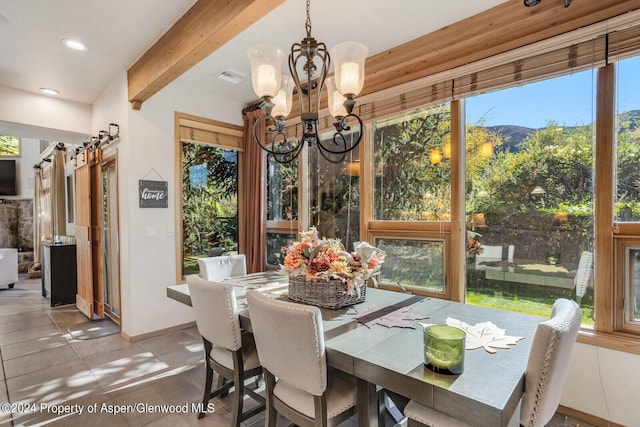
{"x":485,"y":335}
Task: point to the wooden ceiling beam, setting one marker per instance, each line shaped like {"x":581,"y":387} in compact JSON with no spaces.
{"x":208,"y":25}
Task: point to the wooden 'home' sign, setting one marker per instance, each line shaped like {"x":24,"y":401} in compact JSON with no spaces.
{"x":153,"y":194}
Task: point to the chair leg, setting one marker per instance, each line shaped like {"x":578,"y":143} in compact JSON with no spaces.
{"x":272,"y":414}
{"x":207,"y":389}
{"x":222,"y":381}
{"x":238,"y":398}
{"x":209,"y":376}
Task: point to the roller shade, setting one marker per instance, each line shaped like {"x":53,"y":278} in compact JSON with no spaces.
{"x":211,"y":134}
{"x":435,"y":93}
{"x":624,"y":43}
{"x":569,"y":59}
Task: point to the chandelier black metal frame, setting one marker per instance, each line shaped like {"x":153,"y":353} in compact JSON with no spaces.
{"x":309,"y":63}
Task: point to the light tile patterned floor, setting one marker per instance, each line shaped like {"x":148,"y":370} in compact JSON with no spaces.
{"x":44,"y":371}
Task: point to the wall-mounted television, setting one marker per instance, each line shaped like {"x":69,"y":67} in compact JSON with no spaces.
{"x":8,"y":178}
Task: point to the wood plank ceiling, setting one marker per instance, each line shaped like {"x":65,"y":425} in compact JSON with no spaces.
{"x":210,"y":24}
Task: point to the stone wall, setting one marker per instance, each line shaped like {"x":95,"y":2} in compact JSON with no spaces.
{"x":25,"y":224}
{"x":16,"y":230}
{"x":8,"y":225}
{"x":16,"y":224}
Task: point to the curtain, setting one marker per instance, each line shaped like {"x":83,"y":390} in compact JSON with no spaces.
{"x":58,"y":214}
{"x":253,"y":236}
{"x":37,"y":219}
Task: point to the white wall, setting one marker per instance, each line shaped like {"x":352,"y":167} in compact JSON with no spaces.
{"x":604,"y":383}
{"x":148,"y":260}
{"x":44,"y":111}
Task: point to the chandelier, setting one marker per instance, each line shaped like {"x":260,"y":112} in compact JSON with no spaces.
{"x":309,"y":63}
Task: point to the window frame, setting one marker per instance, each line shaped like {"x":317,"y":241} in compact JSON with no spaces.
{"x":419,"y":231}
{"x":200,"y":131}
{"x":621,"y":279}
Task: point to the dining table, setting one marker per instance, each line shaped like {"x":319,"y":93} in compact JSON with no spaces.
{"x":380,"y":343}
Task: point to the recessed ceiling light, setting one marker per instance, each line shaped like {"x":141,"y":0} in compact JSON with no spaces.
{"x":74,"y":44}
{"x":49,"y":91}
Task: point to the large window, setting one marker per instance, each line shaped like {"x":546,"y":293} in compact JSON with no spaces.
{"x":627,"y":196}
{"x":411,"y":166}
{"x":411,"y":174}
{"x":506,"y":184}
{"x":282,"y":208}
{"x":627,"y":203}
{"x":530,"y":195}
{"x":334,"y":195}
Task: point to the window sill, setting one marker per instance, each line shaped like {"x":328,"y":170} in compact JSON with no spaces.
{"x":614,"y":341}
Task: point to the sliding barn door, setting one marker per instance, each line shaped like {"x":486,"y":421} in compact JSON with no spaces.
{"x":90,"y":296}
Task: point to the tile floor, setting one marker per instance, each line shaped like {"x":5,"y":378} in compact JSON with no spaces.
{"x":48,"y":375}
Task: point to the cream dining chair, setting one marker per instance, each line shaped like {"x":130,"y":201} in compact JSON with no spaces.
{"x":544,"y":377}
{"x":228,"y":350}
{"x":218,"y":268}
{"x":290,"y":343}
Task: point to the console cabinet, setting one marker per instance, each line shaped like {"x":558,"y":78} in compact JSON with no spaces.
{"x":59,"y":273}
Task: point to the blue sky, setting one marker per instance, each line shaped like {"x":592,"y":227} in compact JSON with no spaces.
{"x":566,"y":100}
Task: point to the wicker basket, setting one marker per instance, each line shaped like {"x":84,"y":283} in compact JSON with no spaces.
{"x":328,"y":294}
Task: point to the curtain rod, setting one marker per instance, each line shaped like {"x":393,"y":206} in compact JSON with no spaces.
{"x":104,"y":137}
{"x":47,"y":153}
{"x":251,"y":108}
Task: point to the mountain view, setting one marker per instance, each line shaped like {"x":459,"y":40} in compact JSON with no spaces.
{"x":512,"y":135}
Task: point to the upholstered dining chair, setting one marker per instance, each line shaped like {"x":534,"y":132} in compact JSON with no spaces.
{"x":544,"y":377}
{"x":218,"y":268}
{"x":228,"y":350}
{"x":290,"y":342}
{"x":584,"y":274}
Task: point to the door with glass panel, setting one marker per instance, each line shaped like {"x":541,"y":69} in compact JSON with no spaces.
{"x":209,"y":203}
{"x":110,"y":252}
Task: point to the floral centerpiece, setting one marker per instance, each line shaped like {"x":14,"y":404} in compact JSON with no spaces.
{"x":315,"y":261}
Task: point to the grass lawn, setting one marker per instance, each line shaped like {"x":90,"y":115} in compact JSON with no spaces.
{"x":523,"y":305}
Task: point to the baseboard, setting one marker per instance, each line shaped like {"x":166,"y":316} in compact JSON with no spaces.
{"x":587,"y":418}
{"x":133,"y":338}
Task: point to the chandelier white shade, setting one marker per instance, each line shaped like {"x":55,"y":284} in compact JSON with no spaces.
{"x":266,"y":65}
{"x":283,"y":100}
{"x":309,"y":64}
{"x":336,"y":99}
{"x":349,"y":60}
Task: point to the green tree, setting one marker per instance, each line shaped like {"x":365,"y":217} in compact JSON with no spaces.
{"x":9,"y":146}
{"x":410,"y":183}
{"x":209,"y":188}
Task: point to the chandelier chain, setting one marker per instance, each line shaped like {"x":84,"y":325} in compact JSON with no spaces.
{"x":307,"y":24}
